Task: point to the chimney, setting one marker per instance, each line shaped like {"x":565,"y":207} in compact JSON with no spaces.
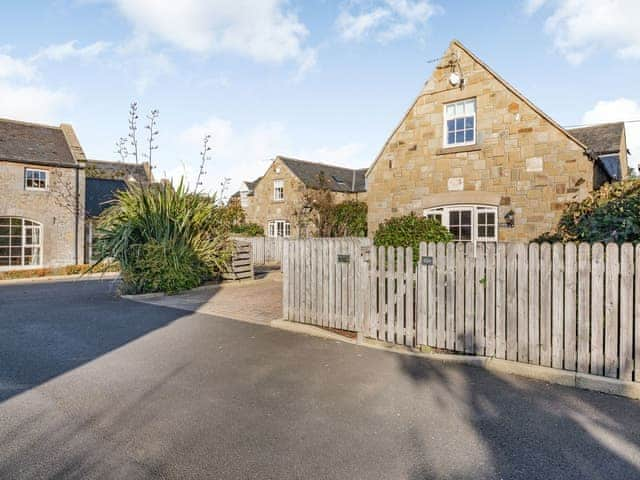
{"x":73,"y":142}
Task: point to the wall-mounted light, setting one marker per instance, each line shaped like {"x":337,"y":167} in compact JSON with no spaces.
{"x":306,"y":210}
{"x":509,"y":219}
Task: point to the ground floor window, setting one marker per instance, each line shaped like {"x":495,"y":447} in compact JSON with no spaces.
{"x":279,"y":228}
{"x":20,"y":242}
{"x":468,"y":223}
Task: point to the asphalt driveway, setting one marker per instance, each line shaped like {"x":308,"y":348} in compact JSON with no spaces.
{"x":92,"y":386}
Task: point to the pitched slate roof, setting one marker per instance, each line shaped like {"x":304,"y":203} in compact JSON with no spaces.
{"x":34,"y":144}
{"x":601,"y":139}
{"x":336,"y":179}
{"x":252,"y":185}
{"x":119,"y":171}
{"x":99,"y":194}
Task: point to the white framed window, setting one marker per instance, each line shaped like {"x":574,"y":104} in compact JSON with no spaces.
{"x":20,"y":243}
{"x":460,"y":123}
{"x":35,"y":179}
{"x":468,"y":223}
{"x":278,"y":190}
{"x":279,"y":228}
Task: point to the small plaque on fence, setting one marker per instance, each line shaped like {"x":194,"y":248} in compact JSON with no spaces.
{"x":342,"y":258}
{"x":426,"y":261}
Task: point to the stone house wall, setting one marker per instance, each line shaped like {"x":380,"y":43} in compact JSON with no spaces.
{"x":262,"y":208}
{"x":53,"y":208}
{"x":521,"y":162}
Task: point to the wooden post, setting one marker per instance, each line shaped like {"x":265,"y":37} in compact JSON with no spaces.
{"x":460,"y":300}
{"x":597,"y":309}
{"x":373,"y":292}
{"x":534,"y":303}
{"x":410,"y":328}
{"x":430,"y":298}
{"x":391,"y":294}
{"x":570,"y":305}
{"x":523,"y":303}
{"x":382,"y":295}
{"x":626,"y":312}
{"x":441,"y":303}
{"x":611,"y":309}
{"x":285,"y":284}
{"x":512,"y":302}
{"x":480,"y":289}
{"x":584,"y":314}
{"x":421,"y":299}
{"x":557,"y":308}
{"x":451,"y":296}
{"x":400,"y":277}
{"x":490,"y":301}
{"x":501,"y":301}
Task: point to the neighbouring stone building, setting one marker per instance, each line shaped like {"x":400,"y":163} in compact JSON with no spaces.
{"x":476,"y":154}
{"x":42,"y":182}
{"x":277,"y":199}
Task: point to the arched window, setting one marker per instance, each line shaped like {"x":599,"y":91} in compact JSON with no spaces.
{"x":20,"y":242}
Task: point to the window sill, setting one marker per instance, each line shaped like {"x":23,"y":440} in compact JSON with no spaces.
{"x":277,"y":201}
{"x":461,"y":149}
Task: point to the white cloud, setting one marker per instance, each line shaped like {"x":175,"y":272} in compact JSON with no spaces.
{"x":385,"y":20}
{"x":581,"y":27}
{"x":245,"y":155}
{"x":615,"y":111}
{"x":11,"y":67}
{"x":63,"y":51}
{"x":30,"y":103}
{"x":267,"y":31}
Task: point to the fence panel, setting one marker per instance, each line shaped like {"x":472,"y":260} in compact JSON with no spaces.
{"x":571,"y":307}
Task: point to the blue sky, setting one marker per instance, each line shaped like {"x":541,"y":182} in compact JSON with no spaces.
{"x":322,"y":80}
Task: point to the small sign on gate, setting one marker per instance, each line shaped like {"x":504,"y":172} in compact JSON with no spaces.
{"x":344,"y":258}
{"x":428,"y":261}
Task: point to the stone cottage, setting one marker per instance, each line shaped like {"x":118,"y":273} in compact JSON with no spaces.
{"x":477,"y":155}
{"x":42,"y":181}
{"x":277,"y":200}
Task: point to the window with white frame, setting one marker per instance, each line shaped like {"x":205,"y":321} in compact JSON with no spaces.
{"x":35,"y":179}
{"x":279,"y":228}
{"x":468,"y":223}
{"x":278,"y":190}
{"x":460,"y":123}
{"x":20,"y":242}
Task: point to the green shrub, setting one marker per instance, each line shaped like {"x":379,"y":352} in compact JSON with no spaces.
{"x":350,"y":219}
{"x":248,"y":230}
{"x":610,"y":214}
{"x":409,"y":231}
{"x":164,"y":267}
{"x":164,"y":238}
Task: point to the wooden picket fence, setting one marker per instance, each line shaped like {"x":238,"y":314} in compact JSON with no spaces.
{"x":266,"y":250}
{"x":571,"y":307}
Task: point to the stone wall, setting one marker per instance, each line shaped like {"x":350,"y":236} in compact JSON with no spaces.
{"x":262,"y":208}
{"x":521,"y":161}
{"x":53,"y":208}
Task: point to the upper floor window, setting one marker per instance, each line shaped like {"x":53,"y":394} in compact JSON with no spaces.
{"x":35,"y":179}
{"x":460,"y":123}
{"x":468,"y":223}
{"x":278,"y":190}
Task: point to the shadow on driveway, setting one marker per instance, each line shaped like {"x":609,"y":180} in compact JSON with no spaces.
{"x":527,"y":429}
{"x":47,"y":329}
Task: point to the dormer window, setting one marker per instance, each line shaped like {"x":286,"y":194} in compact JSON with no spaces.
{"x":460,"y":123}
{"x":35,"y":179}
